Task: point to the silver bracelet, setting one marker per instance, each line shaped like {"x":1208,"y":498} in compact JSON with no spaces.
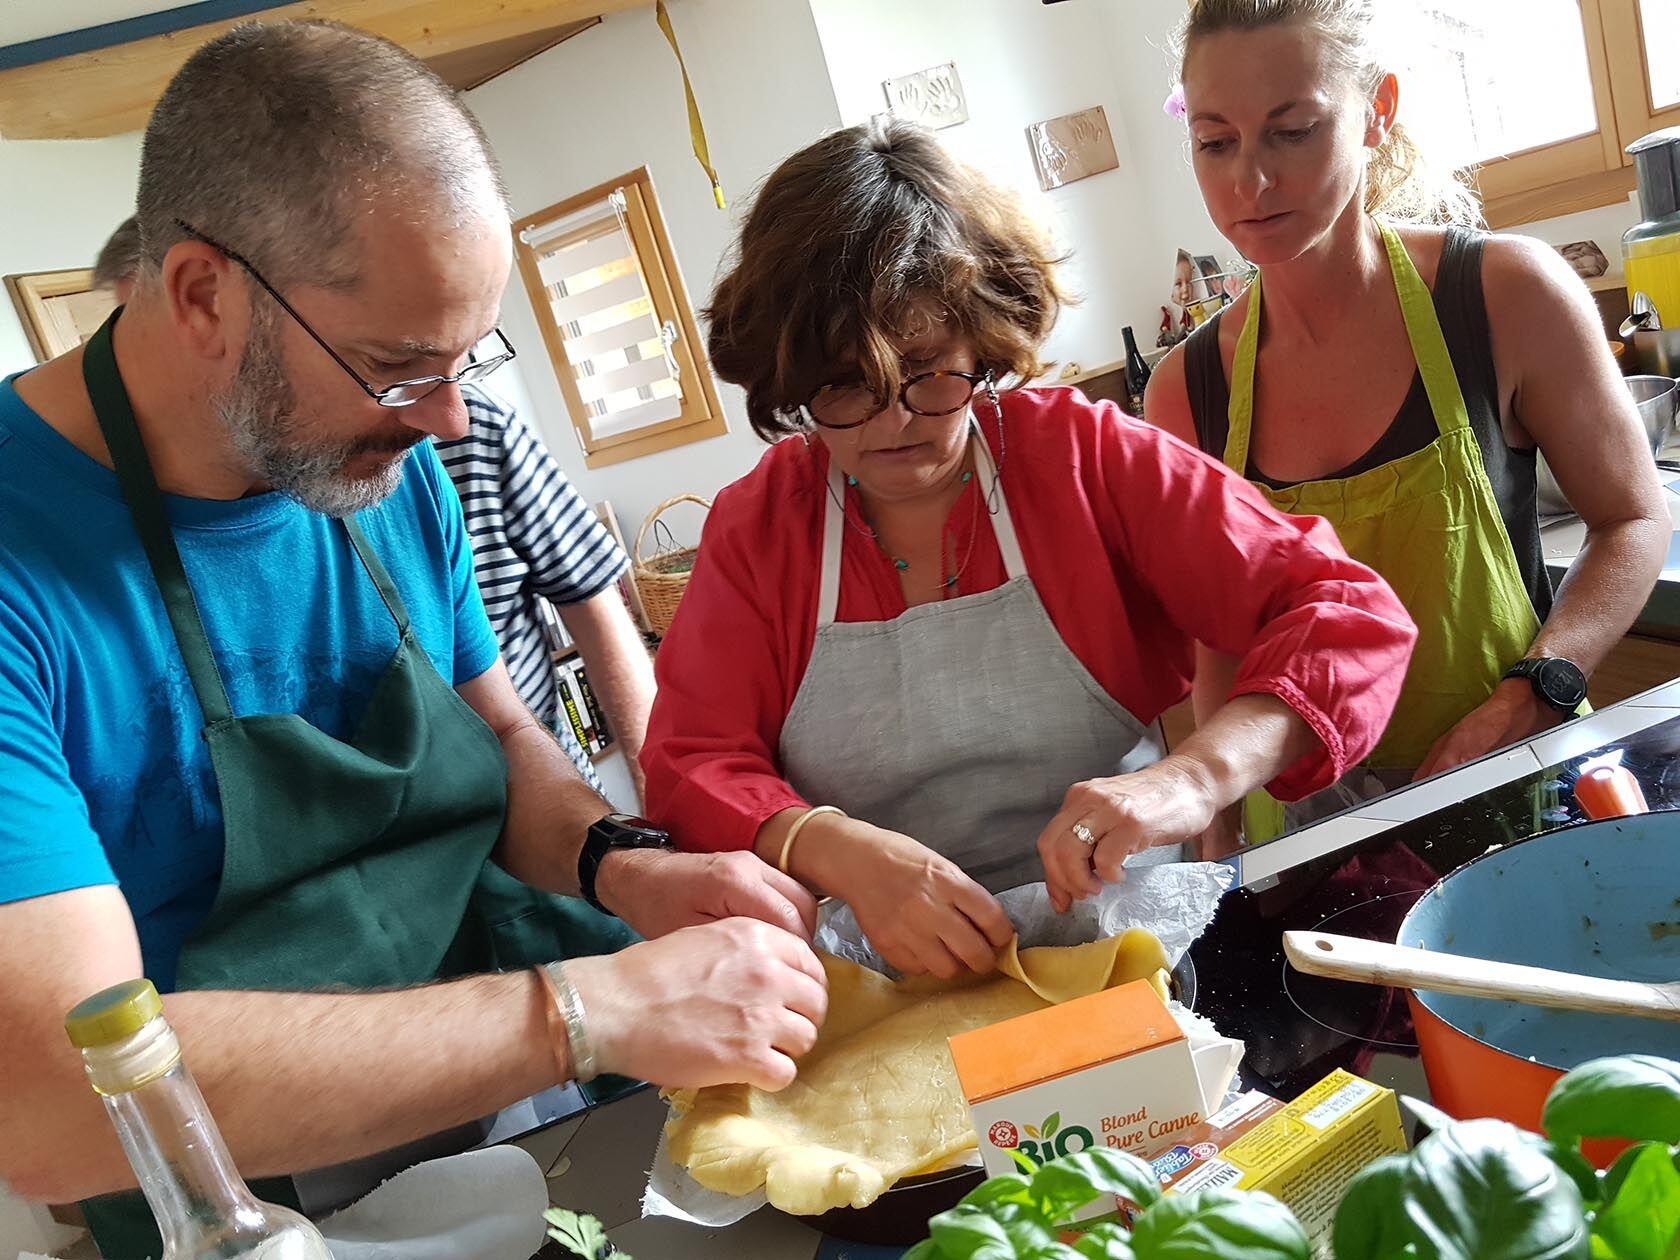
{"x":580,"y":1052}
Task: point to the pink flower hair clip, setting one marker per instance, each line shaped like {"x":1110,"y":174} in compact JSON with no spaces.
{"x":1174,"y":106}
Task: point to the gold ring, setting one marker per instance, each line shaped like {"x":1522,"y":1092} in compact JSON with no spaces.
{"x":1084,"y":835}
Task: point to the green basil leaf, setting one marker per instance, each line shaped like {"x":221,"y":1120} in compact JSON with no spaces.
{"x":1005,"y":1188}
{"x":1072,"y":1181}
{"x":1480,"y":1190}
{"x":1232,"y":1225}
{"x":1023,"y":1161}
{"x":579,"y":1233}
{"x":1632,"y":1096}
{"x":1643,"y":1221}
{"x":970,"y":1233}
{"x":1107,"y":1241}
{"x":927,"y":1249}
{"x":1617,"y":1173}
{"x":1574,"y":1165}
{"x":1429,"y":1113}
{"x":1370,"y":1221}
{"x":1025,"y":1227}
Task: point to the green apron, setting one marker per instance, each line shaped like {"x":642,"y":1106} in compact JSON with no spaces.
{"x":346,"y":864}
{"x":1430,"y":525}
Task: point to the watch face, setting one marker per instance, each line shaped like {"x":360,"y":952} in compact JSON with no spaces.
{"x":629,"y":831}
{"x":1563,"y":683}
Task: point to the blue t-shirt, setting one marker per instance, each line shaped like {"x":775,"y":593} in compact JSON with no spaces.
{"x":104,"y":777}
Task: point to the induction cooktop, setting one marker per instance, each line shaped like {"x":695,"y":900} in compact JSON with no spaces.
{"x":1298,"y":1028}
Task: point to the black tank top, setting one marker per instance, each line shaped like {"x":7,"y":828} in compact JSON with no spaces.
{"x":1462,"y":310}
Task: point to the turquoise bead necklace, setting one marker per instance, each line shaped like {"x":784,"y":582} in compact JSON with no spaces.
{"x":903,"y":565}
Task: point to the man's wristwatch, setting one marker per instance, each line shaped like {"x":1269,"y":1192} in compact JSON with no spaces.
{"x":1558,"y":682}
{"x":615,"y":831}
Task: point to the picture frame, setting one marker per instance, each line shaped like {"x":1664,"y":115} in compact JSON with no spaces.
{"x":933,"y":97}
{"x":1072,"y":147}
{"x":59,"y":310}
{"x":1209,"y":273}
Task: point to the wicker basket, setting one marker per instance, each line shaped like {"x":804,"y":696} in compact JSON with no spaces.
{"x":663,"y":578}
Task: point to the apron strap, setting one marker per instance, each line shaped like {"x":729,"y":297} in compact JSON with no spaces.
{"x":834,"y":525}
{"x":1429,"y":343}
{"x":377,"y":571}
{"x":1423,"y":331}
{"x":133,"y":467}
{"x":1240,"y":411}
{"x":834,"y":539}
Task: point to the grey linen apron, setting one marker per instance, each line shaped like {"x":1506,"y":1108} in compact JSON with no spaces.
{"x":961,"y":724}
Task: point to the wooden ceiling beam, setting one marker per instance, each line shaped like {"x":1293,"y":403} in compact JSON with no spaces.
{"x":109,"y":91}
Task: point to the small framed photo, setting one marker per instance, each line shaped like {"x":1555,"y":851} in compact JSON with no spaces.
{"x":1210,"y":270}
{"x":59,"y":310}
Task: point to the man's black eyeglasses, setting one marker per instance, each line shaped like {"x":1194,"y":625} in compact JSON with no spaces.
{"x":401,"y":394}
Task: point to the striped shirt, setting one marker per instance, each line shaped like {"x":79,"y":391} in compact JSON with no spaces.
{"x":533,"y":538}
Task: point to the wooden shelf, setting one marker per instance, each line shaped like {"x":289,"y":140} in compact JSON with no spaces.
{"x":1088,"y":374}
{"x":1151,"y":357}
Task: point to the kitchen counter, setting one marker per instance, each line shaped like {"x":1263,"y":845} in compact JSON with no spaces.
{"x":1363,"y":869}
{"x":1562,"y":538}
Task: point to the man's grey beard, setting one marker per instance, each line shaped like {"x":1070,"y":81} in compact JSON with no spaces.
{"x":259,"y":411}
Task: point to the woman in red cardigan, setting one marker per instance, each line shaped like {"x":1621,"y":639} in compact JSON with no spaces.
{"x":924,"y":648}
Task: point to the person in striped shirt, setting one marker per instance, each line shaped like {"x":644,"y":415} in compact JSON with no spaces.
{"x":534,"y":538}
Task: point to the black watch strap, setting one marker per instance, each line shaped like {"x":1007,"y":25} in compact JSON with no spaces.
{"x":615,"y":831}
{"x":1558,"y":682}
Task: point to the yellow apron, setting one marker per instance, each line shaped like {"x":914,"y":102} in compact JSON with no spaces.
{"x":1429,"y":524}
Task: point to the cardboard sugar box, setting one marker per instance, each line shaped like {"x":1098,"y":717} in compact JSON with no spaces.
{"x":1194,"y":1161}
{"x":1303,"y":1153}
{"x":1113,"y":1069}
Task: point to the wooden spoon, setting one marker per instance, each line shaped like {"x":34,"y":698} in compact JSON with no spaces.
{"x":1402,"y":967}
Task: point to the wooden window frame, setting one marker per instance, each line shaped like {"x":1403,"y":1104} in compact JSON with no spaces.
{"x":1587,"y":171}
{"x":702,"y":414}
{"x":1630,"y":73}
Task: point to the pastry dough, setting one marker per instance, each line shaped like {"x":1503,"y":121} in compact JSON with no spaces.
{"x":877,"y":1099}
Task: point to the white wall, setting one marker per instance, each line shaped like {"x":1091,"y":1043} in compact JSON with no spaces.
{"x":1604,"y":225}
{"x":1145,"y":71}
{"x":1022,"y":63}
{"x":610,"y":100}
{"x":63,"y":198}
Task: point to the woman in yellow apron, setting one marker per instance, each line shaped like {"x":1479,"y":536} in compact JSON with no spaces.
{"x":1400,"y":383}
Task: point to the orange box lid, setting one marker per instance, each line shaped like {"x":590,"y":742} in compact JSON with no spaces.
{"x":1069,"y":1037}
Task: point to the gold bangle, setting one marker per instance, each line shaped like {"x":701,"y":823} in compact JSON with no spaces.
{"x":793,"y":831}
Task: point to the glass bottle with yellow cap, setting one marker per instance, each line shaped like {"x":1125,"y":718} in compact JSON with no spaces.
{"x":203,"y":1207}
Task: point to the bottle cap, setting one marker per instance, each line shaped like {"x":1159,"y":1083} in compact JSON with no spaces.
{"x":113,"y":1014}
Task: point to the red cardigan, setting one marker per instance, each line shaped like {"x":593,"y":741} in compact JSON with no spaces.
{"x":1139,"y":546}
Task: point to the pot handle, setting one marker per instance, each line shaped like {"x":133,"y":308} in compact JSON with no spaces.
{"x":1376,"y":962}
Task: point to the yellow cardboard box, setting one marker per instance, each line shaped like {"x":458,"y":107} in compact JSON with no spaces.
{"x":1306,"y":1154}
